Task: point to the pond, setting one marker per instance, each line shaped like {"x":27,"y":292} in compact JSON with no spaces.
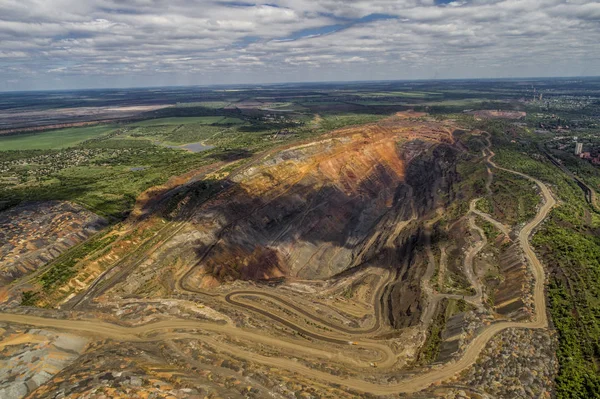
{"x":197,"y":147}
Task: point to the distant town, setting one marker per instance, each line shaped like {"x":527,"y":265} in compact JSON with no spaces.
{"x":585,"y":148}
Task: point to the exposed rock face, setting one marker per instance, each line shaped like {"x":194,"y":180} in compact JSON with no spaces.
{"x":313,"y":211}
{"x":512,"y":297}
{"x":309,"y":214}
{"x":49,"y":351}
{"x":316,"y":210}
{"x":33,"y":234}
{"x":430,"y":177}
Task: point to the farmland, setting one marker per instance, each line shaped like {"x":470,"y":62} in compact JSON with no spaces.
{"x":54,"y":139}
{"x":202,"y":120}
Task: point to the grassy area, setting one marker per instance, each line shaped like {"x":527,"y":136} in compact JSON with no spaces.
{"x":379,"y":101}
{"x":63,"y":268}
{"x":108,"y":182}
{"x":490,"y":231}
{"x":331,"y":122}
{"x":513,"y":200}
{"x":106,"y":172}
{"x":200,"y":120}
{"x":207,"y":104}
{"x":484,"y":205}
{"x":431,"y":348}
{"x":570,"y":248}
{"x":402,"y":94}
{"x":29,"y":298}
{"x":174,"y":135}
{"x":230,"y":121}
{"x":471,"y":184}
{"x":53,"y":139}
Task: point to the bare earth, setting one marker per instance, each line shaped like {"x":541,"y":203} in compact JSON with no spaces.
{"x":376,"y":352}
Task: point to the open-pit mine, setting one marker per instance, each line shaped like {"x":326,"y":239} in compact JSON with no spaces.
{"x":358,"y":263}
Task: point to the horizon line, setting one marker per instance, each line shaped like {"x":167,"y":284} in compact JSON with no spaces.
{"x":304,"y":83}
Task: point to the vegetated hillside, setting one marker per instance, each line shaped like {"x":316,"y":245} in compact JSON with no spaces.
{"x":569,"y":246}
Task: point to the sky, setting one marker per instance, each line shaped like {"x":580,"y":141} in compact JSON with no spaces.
{"x":70,"y":44}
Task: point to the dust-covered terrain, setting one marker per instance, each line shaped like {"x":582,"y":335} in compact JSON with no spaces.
{"x":328,"y":256}
{"x":33,"y":234}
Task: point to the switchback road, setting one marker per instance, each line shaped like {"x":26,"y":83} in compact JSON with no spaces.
{"x":165,"y":329}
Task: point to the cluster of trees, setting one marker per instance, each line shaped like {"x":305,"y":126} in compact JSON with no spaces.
{"x":569,"y":245}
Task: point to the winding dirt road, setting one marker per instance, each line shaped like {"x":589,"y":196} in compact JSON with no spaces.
{"x":435,"y":297}
{"x":505,"y":230}
{"x":231,"y":299}
{"x":409,"y":385}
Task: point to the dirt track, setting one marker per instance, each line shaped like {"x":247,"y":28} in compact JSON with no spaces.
{"x":163,"y":330}
{"x":230,"y":298}
{"x":493,"y":221}
{"x":411,"y":384}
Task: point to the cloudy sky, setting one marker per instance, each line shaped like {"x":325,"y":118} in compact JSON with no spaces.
{"x":54,"y":44}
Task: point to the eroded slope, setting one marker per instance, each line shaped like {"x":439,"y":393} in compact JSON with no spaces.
{"x":314,"y":210}
{"x":33,"y":234}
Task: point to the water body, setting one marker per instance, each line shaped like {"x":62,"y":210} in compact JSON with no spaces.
{"x":197,"y":147}
{"x":137,"y":168}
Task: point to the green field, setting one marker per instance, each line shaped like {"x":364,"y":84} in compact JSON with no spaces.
{"x":411,"y":94}
{"x":107,"y":183}
{"x":208,"y":104}
{"x":331,"y":122}
{"x":52,"y":140}
{"x":230,"y":121}
{"x":200,"y":120}
{"x":105,"y":168}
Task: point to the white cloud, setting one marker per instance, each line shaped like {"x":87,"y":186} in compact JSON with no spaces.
{"x":219,"y":41}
